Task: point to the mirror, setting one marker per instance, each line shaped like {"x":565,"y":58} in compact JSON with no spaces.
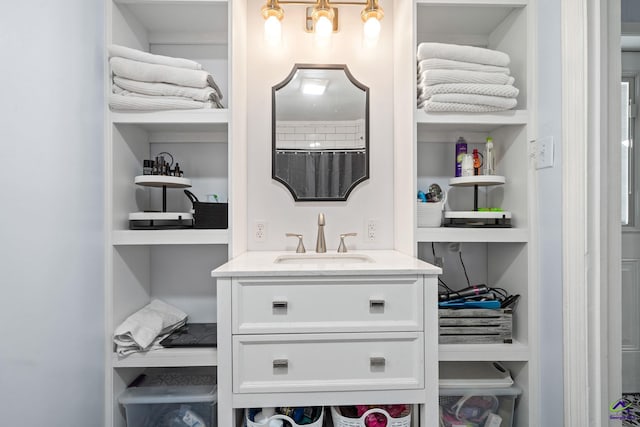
{"x":320,"y":132}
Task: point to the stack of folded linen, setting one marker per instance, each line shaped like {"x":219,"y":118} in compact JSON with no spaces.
{"x":144,"y":81}
{"x":457,"y":78}
{"x":144,"y":329}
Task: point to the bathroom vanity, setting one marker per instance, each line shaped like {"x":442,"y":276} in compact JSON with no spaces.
{"x":327,"y":329}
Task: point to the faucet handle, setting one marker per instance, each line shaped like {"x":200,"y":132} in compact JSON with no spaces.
{"x":300,"y":249}
{"x":343,"y":247}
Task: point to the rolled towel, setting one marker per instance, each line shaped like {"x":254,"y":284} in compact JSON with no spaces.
{"x":463,"y":53}
{"x":433,"y":106}
{"x":154,"y":103}
{"x":150,"y":58}
{"x":154,"y":73}
{"x":434,"y":77}
{"x":506,"y":91}
{"x":166,"y":89}
{"x":447,"y":64}
{"x":143,"y":327}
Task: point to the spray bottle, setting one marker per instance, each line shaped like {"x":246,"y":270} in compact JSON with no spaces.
{"x":489,"y":158}
{"x":461,"y":150}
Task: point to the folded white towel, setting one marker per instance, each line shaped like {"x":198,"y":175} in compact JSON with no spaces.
{"x":433,"y":106}
{"x":464,"y":53}
{"x":150,"y":58}
{"x":154,"y":73}
{"x":465,"y":98}
{"x":143,"y":327}
{"x":434,"y":77}
{"x":447,"y":64}
{"x":506,"y":91}
{"x":154,"y":103}
{"x":166,"y":89}
{"x":123,"y":92}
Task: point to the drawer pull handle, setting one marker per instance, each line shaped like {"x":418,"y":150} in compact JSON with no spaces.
{"x":376,"y":303}
{"x":377,"y":362}
{"x":280,"y":364}
{"x":280,"y":305}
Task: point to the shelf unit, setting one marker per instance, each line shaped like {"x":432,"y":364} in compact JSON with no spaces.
{"x":499,"y":257}
{"x":171,"y":265}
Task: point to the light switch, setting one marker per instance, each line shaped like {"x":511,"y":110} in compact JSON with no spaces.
{"x":544,"y":153}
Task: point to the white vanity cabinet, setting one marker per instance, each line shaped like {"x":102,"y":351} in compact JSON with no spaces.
{"x":320,"y":335}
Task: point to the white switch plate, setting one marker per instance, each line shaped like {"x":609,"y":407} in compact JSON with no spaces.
{"x":544,"y":153}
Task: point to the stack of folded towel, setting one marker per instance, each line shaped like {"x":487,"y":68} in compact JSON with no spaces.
{"x":144,"y":329}
{"x":457,"y":78}
{"x":144,"y":81}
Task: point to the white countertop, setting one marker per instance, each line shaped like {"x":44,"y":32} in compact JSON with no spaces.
{"x":379,"y":262}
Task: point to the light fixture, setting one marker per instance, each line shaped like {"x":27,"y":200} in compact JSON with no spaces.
{"x":322,"y":18}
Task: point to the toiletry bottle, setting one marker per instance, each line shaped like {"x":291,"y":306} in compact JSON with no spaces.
{"x":489,"y":158}
{"x":467,"y":165}
{"x":461,"y":150}
{"x":147,"y":167}
{"x":476,"y":162}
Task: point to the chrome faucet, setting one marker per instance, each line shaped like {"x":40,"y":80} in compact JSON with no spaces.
{"x":321,"y":245}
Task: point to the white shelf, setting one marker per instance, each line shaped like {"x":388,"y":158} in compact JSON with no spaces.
{"x":491,"y":3}
{"x":472,"y":235}
{"x":168,"y":357}
{"x":170,"y":237}
{"x":162,"y":181}
{"x":202,"y":116}
{"x":470,"y":122}
{"x":484,"y":352}
{"x":481,"y":180}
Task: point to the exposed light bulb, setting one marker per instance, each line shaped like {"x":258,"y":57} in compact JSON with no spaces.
{"x":323,"y":30}
{"x":371,"y":31}
{"x":272,"y":31}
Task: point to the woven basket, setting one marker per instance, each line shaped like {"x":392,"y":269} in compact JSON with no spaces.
{"x":341,"y":421}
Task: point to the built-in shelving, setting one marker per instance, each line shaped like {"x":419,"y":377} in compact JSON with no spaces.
{"x":168,"y":357}
{"x":477,"y":235}
{"x":516,"y":352}
{"x":170,"y":237}
{"x":190,"y":117}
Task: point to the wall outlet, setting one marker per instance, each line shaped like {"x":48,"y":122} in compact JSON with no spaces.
{"x":372,"y":230}
{"x":260,"y":231}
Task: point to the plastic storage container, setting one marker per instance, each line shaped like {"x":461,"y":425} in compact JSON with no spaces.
{"x":269,"y":421}
{"x":429,"y":214}
{"x":341,"y":421}
{"x":478,"y":394}
{"x":171,"y":400}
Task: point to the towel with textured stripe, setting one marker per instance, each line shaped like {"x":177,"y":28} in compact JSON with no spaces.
{"x":154,"y":103}
{"x":463,"y":53}
{"x":435,"y":106}
{"x":166,"y":89}
{"x":120,"y":91}
{"x":506,"y":91}
{"x":447,"y":64}
{"x":150,"y":58}
{"x":154,"y":73}
{"x":434,"y":77}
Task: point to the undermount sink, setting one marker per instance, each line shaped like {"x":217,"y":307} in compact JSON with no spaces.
{"x":323,"y":259}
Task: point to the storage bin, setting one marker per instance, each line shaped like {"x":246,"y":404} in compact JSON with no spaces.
{"x":171,"y":400}
{"x":209,"y":215}
{"x":341,"y":421}
{"x":478,"y":394}
{"x":429,"y":214}
{"x":317,"y":423}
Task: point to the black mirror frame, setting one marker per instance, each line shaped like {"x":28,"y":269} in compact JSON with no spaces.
{"x":282,"y":84}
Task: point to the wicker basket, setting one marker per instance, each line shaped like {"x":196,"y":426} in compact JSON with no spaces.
{"x":317,"y":423}
{"x":341,"y":421}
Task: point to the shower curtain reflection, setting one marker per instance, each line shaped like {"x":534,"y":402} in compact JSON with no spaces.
{"x":321,"y":174}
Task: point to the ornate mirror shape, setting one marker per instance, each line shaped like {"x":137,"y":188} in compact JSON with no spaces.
{"x":320,"y":132}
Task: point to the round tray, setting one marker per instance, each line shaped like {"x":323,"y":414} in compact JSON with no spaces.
{"x":162,"y":181}
{"x":481,"y":180}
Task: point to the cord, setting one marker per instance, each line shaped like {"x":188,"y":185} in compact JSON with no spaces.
{"x":464,"y":268}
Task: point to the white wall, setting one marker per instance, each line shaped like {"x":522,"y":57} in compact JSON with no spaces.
{"x":271,"y":201}
{"x":51,"y":221}
{"x":550,"y":215}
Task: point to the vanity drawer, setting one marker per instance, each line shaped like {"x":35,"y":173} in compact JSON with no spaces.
{"x":328,"y":362}
{"x":376,"y":304}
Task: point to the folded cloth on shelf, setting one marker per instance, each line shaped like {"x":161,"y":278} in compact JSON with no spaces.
{"x":506,"y":91}
{"x":447,"y":64}
{"x":434,"y":77}
{"x":154,"y":73}
{"x":465,"y":98}
{"x":150,"y":58}
{"x":166,"y":89}
{"x":154,"y":103}
{"x":123,"y":92}
{"x":433,"y":106}
{"x":141,"y":329}
{"x":463,"y":53}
